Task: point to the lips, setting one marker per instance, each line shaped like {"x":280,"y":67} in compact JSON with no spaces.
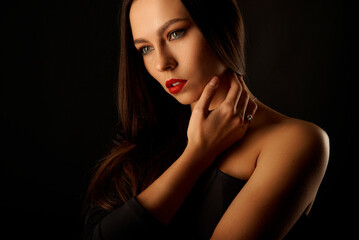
{"x":175,"y":85}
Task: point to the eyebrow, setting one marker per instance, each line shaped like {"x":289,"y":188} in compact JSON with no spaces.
{"x":161,"y":29}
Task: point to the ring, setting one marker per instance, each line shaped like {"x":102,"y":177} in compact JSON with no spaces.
{"x":249,"y":117}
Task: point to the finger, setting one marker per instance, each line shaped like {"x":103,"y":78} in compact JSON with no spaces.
{"x":240,"y":78}
{"x":207,"y":95}
{"x":242,"y":104}
{"x":251,"y":109}
{"x":234,"y":91}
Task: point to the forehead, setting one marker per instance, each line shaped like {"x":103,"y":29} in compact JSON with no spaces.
{"x":146,"y":16}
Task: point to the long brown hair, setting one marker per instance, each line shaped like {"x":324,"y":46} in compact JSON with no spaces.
{"x":152,"y":126}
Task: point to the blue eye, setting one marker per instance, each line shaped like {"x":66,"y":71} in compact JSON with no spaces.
{"x":176,"y":34}
{"x":145,"y":50}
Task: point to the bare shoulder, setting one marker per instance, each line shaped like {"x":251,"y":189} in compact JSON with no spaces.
{"x":294,"y":135}
{"x":297,"y":146}
{"x":276,"y":140}
{"x":289,"y":168}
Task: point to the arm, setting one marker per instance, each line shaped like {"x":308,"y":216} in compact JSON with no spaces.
{"x":209,"y":133}
{"x":146,"y":215}
{"x":288,"y":173}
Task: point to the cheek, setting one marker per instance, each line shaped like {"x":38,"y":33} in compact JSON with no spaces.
{"x":149,"y":65}
{"x":203,"y":62}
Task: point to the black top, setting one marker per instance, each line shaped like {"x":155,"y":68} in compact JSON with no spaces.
{"x":196,"y":219}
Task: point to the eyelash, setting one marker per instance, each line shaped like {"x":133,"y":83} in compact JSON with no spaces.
{"x":181,"y":31}
{"x":181,"y":34}
{"x":141,"y":50}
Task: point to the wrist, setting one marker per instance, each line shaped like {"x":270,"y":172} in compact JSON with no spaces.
{"x":200,"y":153}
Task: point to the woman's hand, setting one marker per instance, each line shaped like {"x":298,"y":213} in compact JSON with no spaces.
{"x":214,"y":131}
{"x":209,"y":133}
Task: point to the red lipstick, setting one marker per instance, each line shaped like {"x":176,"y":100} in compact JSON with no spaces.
{"x":175,"y":85}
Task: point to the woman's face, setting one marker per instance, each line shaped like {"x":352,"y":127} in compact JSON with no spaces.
{"x":174,"y":50}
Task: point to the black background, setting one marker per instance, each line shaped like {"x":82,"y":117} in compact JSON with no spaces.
{"x":58,"y":104}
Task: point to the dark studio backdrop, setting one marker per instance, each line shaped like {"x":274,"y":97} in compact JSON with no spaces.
{"x":58,"y":106}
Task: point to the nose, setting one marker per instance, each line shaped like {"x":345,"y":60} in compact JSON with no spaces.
{"x":165,"y":61}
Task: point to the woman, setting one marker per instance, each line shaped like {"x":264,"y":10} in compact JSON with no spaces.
{"x":196,"y":155}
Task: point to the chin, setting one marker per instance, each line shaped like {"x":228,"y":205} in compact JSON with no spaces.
{"x":187,"y":99}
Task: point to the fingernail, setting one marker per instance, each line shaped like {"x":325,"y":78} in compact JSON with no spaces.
{"x":214,"y":82}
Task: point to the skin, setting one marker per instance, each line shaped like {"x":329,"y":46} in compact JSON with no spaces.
{"x":185,"y":55}
{"x":283,"y":159}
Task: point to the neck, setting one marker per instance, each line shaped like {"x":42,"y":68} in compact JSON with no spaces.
{"x":221,"y":93}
